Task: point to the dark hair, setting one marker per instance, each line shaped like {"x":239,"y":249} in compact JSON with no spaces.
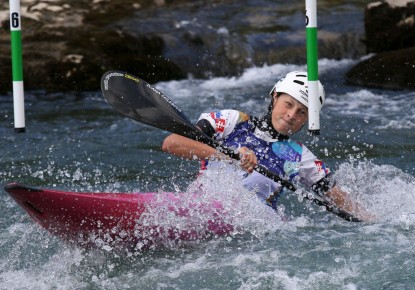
{"x":271,"y":105}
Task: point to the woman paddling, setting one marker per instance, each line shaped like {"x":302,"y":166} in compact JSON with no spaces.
{"x":266,"y":141}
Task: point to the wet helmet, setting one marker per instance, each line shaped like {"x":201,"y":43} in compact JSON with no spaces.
{"x":295,"y":84}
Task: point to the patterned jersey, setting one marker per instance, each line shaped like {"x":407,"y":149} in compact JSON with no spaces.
{"x":289,"y":159}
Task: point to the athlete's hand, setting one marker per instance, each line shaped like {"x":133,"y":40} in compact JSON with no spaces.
{"x":248,"y":159}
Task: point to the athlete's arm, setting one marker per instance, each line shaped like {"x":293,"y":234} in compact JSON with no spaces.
{"x":343,"y":201}
{"x":187,"y":148}
{"x":190,"y":149}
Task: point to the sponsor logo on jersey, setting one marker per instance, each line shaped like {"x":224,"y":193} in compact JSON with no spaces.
{"x":288,"y":150}
{"x":220,"y":122}
{"x":321,"y":167}
{"x":215,"y":115}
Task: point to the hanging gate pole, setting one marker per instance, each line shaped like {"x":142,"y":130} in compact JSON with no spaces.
{"x":314,"y":103}
{"x":17,"y":66}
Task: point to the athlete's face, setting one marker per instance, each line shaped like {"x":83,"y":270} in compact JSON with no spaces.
{"x":288,"y":114}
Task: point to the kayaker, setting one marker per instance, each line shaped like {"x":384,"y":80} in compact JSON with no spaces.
{"x":266,"y":140}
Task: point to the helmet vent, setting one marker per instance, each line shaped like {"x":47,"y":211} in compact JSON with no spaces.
{"x":299,"y":82}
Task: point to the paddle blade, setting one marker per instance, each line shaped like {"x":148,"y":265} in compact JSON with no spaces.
{"x":136,"y":99}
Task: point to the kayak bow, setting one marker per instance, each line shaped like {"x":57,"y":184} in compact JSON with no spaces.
{"x":116,"y":219}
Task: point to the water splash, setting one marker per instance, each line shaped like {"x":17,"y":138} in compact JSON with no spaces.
{"x":384,"y":190}
{"x":216,"y":204}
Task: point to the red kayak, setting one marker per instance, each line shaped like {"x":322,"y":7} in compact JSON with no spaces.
{"x":121,"y":219}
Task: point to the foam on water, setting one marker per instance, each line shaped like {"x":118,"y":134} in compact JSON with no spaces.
{"x":384,"y":190}
{"x":247,"y":92}
{"x":53,"y":273}
{"x":251,"y":80}
{"x":382,"y":107}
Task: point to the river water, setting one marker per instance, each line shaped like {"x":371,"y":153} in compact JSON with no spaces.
{"x":79,"y":143}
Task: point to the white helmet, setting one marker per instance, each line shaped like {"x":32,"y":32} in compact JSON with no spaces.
{"x":295,"y":84}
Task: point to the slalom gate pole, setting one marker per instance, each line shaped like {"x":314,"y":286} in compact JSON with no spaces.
{"x":17,"y":66}
{"x":314,"y":104}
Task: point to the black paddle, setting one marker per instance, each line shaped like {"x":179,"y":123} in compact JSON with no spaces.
{"x":138,"y":100}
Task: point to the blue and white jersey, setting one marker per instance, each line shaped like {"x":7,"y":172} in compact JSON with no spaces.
{"x":287,"y":158}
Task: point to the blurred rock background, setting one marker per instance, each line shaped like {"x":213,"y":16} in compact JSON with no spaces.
{"x":68,"y":45}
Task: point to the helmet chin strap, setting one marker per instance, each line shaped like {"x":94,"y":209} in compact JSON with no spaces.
{"x":270,"y":108}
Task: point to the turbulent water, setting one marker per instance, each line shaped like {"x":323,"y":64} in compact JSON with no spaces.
{"x":80,"y":143}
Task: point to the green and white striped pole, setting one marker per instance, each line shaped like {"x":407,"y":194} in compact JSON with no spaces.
{"x":314,"y":104}
{"x":17,"y":66}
